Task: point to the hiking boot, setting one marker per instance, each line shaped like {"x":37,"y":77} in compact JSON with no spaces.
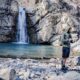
{"x":64,"y":68}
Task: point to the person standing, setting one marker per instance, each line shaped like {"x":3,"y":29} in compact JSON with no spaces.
{"x":65,"y":43}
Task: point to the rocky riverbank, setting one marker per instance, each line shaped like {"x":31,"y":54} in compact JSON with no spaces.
{"x":32,"y":69}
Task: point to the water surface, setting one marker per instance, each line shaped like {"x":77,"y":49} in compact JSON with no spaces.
{"x":28,"y":50}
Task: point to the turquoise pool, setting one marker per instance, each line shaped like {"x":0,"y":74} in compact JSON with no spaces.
{"x":28,"y":50}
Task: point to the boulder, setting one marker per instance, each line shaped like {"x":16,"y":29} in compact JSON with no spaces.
{"x":7,"y":74}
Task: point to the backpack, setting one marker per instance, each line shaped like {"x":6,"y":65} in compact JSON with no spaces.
{"x":65,"y":39}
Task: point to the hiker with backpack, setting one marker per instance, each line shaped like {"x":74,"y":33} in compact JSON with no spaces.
{"x":65,"y":43}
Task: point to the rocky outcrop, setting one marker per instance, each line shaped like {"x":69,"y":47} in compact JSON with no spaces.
{"x":45,"y":19}
{"x":7,"y":23}
{"x":51,"y":16}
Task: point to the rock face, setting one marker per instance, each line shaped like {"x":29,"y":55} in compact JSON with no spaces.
{"x":45,"y":19}
{"x":50,"y":17}
{"x":6,"y":21}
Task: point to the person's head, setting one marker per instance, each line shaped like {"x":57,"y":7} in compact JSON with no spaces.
{"x":64,"y":30}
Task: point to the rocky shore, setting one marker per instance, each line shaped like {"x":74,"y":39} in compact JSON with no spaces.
{"x":45,"y":69}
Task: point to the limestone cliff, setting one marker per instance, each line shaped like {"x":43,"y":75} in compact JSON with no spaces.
{"x":7,"y":21}
{"x":51,"y":16}
{"x":45,"y":19}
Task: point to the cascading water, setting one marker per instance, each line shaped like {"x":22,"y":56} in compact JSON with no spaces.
{"x":22,"y":36}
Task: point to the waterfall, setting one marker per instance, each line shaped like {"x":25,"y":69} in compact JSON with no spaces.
{"x":22,"y":36}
